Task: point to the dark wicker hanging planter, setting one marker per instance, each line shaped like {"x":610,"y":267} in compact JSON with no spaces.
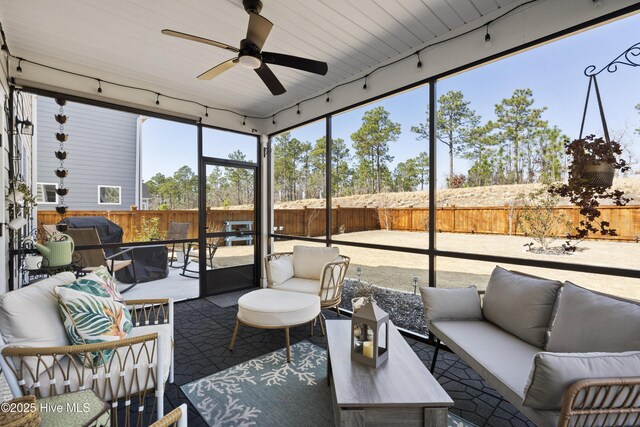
{"x":598,"y":173}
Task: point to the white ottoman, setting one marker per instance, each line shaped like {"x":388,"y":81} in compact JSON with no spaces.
{"x":274,"y":309}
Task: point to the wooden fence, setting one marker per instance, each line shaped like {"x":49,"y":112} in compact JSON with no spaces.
{"x":312,"y":221}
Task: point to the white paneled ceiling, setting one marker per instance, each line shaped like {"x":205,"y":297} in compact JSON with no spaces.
{"x":121,"y":40}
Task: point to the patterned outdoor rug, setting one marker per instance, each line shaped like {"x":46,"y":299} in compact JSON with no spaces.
{"x":266,"y":391}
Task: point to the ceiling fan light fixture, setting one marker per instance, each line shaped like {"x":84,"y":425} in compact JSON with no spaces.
{"x":249,"y":61}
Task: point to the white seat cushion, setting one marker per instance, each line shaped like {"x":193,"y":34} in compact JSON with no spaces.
{"x":309,"y":261}
{"x":504,"y":360}
{"x":272,"y":308}
{"x":81,"y":377}
{"x":295,"y":284}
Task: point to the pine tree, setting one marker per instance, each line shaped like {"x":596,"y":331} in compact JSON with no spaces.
{"x":371,"y":142}
{"x":454,"y":123}
{"x":518,"y":124}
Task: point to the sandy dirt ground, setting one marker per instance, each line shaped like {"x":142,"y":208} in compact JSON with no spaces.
{"x":396,"y":269}
{"x":494,"y":195}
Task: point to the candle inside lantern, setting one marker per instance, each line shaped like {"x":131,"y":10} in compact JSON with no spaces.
{"x":367,"y":349}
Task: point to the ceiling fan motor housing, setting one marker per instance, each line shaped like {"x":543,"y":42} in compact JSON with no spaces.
{"x":249,"y":55}
{"x":252,"y":6}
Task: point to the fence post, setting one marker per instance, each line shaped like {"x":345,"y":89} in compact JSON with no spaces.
{"x":411,"y":218}
{"x":364,"y":216}
{"x":304,"y":222}
{"x":337,"y":231}
{"x":453,"y":211}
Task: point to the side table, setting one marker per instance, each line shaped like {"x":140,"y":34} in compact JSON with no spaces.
{"x":81,"y":408}
{"x":44,"y":272}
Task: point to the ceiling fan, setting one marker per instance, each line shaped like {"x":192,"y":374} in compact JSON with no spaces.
{"x":250,"y":54}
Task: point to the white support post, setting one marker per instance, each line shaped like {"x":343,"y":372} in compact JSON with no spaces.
{"x":182,"y":422}
{"x":160,"y":378}
{"x":172,"y":366}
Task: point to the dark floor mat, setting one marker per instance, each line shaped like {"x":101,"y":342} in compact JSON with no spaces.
{"x":228,"y":299}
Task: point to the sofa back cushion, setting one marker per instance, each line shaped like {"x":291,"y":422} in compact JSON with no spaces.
{"x":451,"y":304}
{"x":280,"y":270}
{"x":520,"y":304}
{"x":590,"y":321}
{"x":552,"y":373}
{"x":29,"y":316}
{"x":308,"y":261}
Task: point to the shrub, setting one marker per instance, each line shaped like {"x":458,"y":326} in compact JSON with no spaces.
{"x":539,"y":218}
{"x":150,"y":230}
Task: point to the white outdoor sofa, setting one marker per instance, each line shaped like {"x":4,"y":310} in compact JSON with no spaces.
{"x":37,"y":358}
{"x":563,"y":355}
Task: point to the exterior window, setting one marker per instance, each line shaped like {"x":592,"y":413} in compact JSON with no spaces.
{"x":46,"y":193}
{"x":108,"y":195}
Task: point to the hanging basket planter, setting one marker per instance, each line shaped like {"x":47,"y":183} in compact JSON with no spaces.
{"x":598,"y":173}
{"x":594,"y":162}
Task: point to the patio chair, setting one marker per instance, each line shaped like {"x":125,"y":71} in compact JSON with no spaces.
{"x":178,"y":231}
{"x":49,"y":229}
{"x":318,"y":271}
{"x":37,"y":358}
{"x":193,"y":251}
{"x":91,"y":259}
{"x":175,"y":418}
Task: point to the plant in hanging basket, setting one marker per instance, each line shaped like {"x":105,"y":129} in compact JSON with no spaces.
{"x":593,"y":165}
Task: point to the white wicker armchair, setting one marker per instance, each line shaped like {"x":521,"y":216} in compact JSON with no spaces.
{"x":37,"y":360}
{"x":319,"y":271}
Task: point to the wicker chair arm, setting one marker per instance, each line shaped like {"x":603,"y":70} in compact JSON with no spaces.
{"x":274,"y":256}
{"x":177,"y":417}
{"x":16,"y":351}
{"x":64,"y":371}
{"x":331,"y":281}
{"x":601,"y":401}
{"x":146,"y":301}
{"x":150,"y":311}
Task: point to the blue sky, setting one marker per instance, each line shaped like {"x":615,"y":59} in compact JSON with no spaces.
{"x":554,"y":72}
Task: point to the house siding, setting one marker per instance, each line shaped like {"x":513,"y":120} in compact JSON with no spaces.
{"x":101,"y":152}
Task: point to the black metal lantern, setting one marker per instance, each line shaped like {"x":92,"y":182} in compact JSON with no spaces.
{"x":370,"y":335}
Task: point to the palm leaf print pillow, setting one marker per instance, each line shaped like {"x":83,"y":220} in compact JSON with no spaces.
{"x":92,"y":313}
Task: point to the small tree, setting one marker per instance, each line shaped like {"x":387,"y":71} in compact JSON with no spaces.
{"x":385,"y":214}
{"x":539,"y":218}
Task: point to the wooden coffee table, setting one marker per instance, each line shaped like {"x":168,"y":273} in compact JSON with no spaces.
{"x":400,"y":392}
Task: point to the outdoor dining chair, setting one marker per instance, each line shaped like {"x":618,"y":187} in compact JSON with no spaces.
{"x":178,"y":231}
{"x":193,"y":251}
{"x":91,"y":259}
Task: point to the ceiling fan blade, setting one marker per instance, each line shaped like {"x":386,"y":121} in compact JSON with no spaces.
{"x":270,"y":80}
{"x":218,"y":69}
{"x":303,"y":64}
{"x":258,"y":30}
{"x":199,"y":39}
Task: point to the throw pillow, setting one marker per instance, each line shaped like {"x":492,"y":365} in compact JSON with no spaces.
{"x":93,"y":313}
{"x":103,"y":273}
{"x":590,"y":321}
{"x":520,"y":304}
{"x":281,"y":270}
{"x":451,"y":304}
{"x":553,"y":373}
{"x":309,"y":261}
